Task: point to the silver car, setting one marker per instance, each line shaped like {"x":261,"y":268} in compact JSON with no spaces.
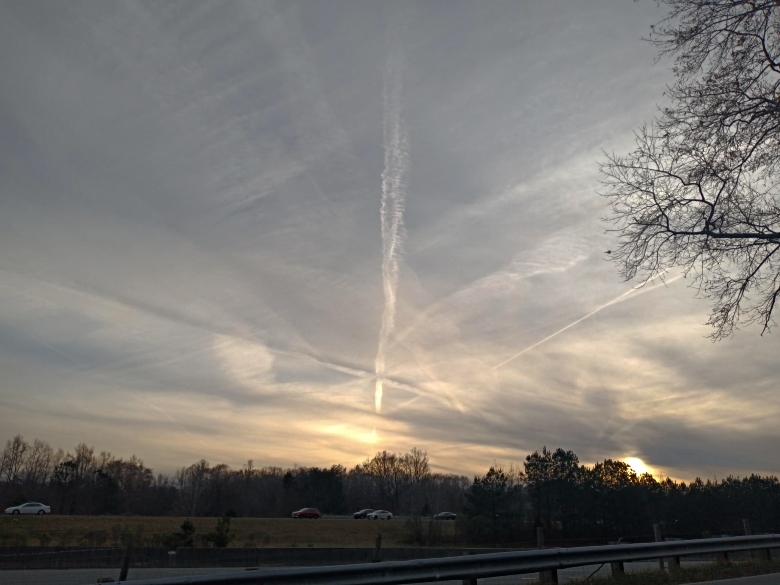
{"x":29,"y":508}
{"x":379,"y":515}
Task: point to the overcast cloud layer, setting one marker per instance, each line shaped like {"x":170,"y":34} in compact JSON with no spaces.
{"x":221,"y":223}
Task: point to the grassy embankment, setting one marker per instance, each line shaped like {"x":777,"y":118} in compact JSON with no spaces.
{"x":698,"y":574}
{"x":57,"y":530}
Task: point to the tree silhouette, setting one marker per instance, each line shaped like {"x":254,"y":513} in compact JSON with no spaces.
{"x":700,"y":191}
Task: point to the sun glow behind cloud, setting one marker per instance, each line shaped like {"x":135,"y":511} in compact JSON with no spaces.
{"x":638,"y":465}
{"x":350,"y":432}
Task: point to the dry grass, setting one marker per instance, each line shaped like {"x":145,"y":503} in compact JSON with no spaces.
{"x":56,"y":530}
{"x":699,"y":574}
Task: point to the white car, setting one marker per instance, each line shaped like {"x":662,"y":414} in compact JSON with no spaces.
{"x":29,"y":508}
{"x":379,"y":515}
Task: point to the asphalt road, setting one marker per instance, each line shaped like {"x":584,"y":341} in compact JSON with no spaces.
{"x":90,"y":576}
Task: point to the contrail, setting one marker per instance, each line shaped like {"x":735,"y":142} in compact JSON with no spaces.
{"x":392,"y":207}
{"x":445,"y":397}
{"x":638,"y":290}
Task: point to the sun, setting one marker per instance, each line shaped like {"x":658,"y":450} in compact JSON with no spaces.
{"x":637,"y":465}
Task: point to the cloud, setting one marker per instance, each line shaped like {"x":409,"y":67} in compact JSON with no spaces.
{"x":194,"y":260}
{"x":619,"y":299}
{"x":248,"y":364}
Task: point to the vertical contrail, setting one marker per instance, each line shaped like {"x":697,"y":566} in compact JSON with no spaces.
{"x":395,"y":144}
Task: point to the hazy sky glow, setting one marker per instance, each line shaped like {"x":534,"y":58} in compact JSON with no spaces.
{"x":226,"y":228}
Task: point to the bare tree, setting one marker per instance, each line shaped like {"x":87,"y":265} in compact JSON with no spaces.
{"x":387,"y":473}
{"x":393,"y":478}
{"x":39,"y":463}
{"x":12,"y":459}
{"x":700,"y":191}
{"x":85,"y":462}
{"x":192,"y":483}
{"x":415,"y":465}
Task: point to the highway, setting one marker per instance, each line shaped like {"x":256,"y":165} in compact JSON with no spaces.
{"x":90,"y":576}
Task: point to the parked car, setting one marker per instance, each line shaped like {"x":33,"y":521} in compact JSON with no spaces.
{"x":379,"y":515}
{"x":29,"y":508}
{"x":307,"y":513}
{"x":363,"y":513}
{"x":445,"y":516}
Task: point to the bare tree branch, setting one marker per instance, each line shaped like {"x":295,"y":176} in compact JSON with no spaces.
{"x":700,"y":191}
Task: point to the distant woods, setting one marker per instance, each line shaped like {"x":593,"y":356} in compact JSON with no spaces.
{"x":87,"y":482}
{"x":505,"y":505}
{"x":609,"y":501}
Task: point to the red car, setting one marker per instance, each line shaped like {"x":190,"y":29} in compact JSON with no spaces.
{"x":307,"y":513}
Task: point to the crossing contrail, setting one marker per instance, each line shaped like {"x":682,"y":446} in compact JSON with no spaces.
{"x":638,"y":290}
{"x":394,"y":177}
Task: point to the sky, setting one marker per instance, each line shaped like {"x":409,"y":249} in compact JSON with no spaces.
{"x":304,"y":232}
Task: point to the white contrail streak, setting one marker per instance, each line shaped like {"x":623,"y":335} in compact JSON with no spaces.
{"x":638,"y":290}
{"x":392,"y":206}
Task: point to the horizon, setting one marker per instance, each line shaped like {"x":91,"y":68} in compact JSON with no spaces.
{"x":635,"y":464}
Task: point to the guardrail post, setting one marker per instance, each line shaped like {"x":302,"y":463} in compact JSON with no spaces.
{"x":469,"y":581}
{"x":748,"y":532}
{"x":658,"y":538}
{"x":377,"y":549}
{"x":126,"y":563}
{"x":618,"y":568}
{"x":722,"y":558}
{"x":762,"y":554}
{"x":674,"y":564}
{"x":551,"y":575}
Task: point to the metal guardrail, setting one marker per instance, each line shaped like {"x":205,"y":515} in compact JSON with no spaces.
{"x":475,"y":566}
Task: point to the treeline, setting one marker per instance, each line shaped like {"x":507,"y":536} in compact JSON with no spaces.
{"x":552,"y":489}
{"x":610,"y":501}
{"x":86,"y":482}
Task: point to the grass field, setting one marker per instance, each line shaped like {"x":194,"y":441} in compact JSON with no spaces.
{"x":58,"y":530}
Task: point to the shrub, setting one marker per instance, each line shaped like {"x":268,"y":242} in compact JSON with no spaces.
{"x":221,"y":535}
{"x":185,"y":536}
